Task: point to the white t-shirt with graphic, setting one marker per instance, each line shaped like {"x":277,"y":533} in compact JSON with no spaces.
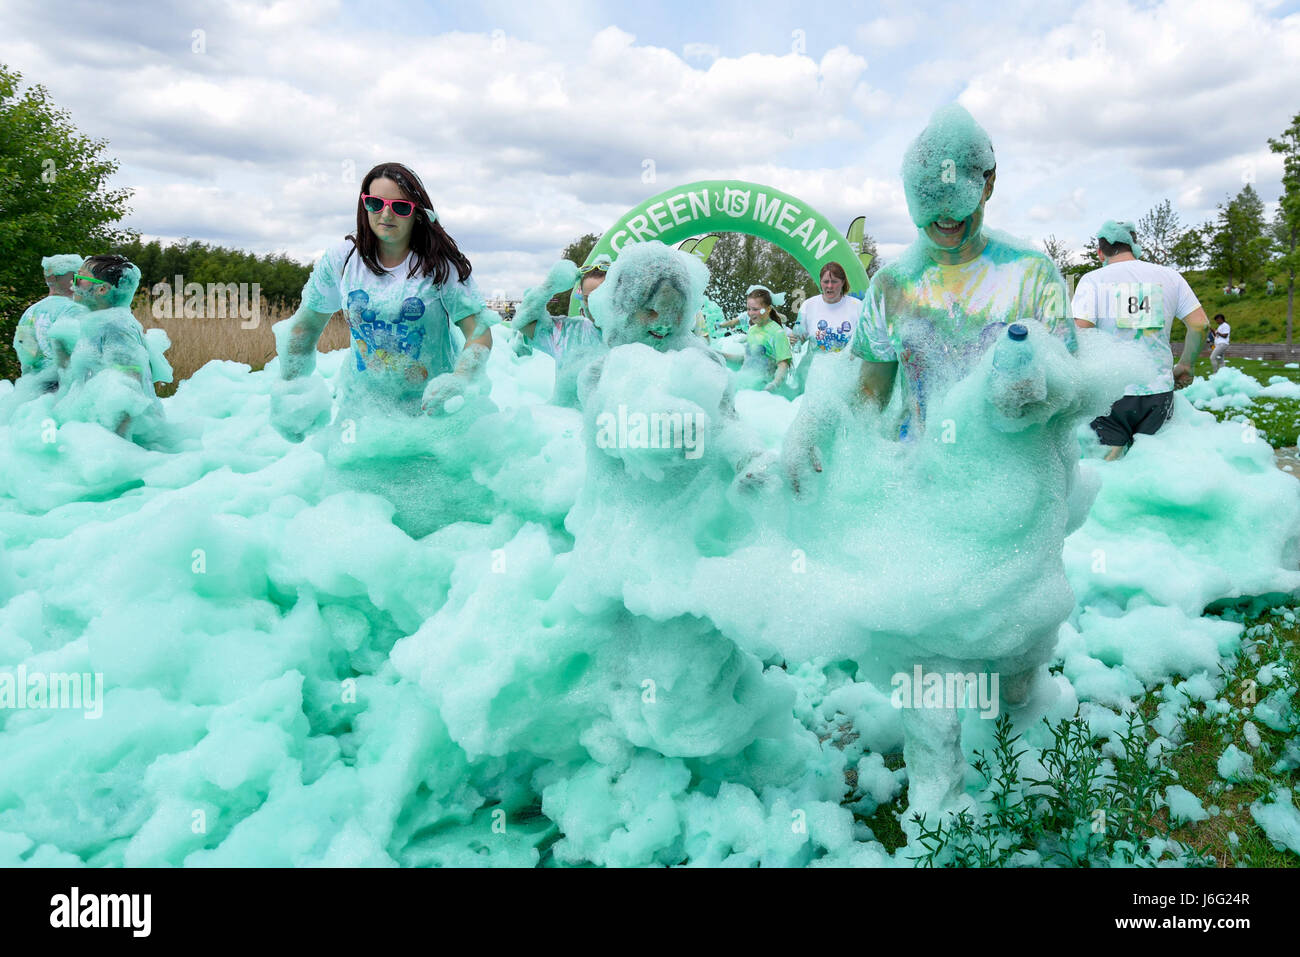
{"x":828,"y":327}
{"x":1138,"y":301}
{"x":1221,"y":334}
{"x":401,"y":326}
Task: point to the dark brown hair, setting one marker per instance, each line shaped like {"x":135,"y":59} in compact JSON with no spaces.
{"x":765,"y":297}
{"x":435,"y":251}
{"x":836,"y":270}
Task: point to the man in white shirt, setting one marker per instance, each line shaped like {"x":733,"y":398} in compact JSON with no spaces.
{"x":1138,"y":301}
{"x":1222,"y":332}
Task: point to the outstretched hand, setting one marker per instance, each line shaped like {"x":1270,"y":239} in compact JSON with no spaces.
{"x":441,"y":389}
{"x":801,"y":463}
{"x":757,"y":473}
{"x":299,"y":406}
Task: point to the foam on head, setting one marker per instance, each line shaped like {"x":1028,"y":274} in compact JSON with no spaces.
{"x":1121,"y":231}
{"x":61,"y":264}
{"x":650,"y":276}
{"x":123,"y":291}
{"x":943,"y":169}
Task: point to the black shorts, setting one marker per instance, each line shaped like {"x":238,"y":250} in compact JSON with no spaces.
{"x":1134,"y":415}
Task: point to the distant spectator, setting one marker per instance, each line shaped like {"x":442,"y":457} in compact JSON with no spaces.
{"x":1269,"y":287}
{"x":1221,"y":334}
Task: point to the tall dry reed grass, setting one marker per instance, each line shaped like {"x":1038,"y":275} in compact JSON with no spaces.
{"x":196,"y":342}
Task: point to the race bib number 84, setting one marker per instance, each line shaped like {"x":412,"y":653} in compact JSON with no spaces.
{"x":1139,"y":305}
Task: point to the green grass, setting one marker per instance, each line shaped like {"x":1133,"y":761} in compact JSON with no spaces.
{"x":1278,"y":420}
{"x":1056,"y":818}
{"x":1206,"y":739}
{"x":1254,"y":317}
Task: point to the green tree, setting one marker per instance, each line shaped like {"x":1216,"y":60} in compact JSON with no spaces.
{"x":280,"y":279}
{"x":1286,"y":225}
{"x":577,"y":251}
{"x":869,"y":246}
{"x":53,"y":198}
{"x":1190,"y":249}
{"x":1239,"y":247}
{"x":739,"y":261}
{"x":1158,"y":232}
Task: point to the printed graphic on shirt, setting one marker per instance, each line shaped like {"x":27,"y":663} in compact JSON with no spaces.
{"x":393,"y":346}
{"x":832,"y":340}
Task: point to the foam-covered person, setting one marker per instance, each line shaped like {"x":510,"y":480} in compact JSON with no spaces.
{"x":931,"y":314}
{"x":112,"y":363}
{"x":406,"y":287}
{"x":929,"y":317}
{"x":572,"y":341}
{"x":767,"y":346}
{"x":36,"y":353}
{"x":708,"y":320}
{"x":825,"y":322}
{"x":650,"y":298}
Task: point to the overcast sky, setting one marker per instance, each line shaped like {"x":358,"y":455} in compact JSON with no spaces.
{"x":250,"y":124}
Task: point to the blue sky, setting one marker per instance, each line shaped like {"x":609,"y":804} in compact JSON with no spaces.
{"x":531,"y":122}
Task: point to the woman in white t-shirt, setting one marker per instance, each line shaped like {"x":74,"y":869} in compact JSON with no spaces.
{"x":1222,"y":332}
{"x":404,"y":284}
{"x":826,"y":322}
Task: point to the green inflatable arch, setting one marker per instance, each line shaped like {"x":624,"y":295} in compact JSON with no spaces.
{"x":732,"y":206}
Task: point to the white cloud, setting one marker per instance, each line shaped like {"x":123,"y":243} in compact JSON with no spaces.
{"x":888,"y":31}
{"x":535,"y":126}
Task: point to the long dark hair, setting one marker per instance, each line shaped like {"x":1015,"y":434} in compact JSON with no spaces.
{"x":435,"y":251}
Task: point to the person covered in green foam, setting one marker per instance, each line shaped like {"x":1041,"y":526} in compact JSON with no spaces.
{"x":572,"y":341}
{"x":112,"y":364}
{"x":767,"y":344}
{"x":36,"y":352}
{"x":404,"y":284}
{"x":707,"y":321}
{"x":650,"y":299}
{"x":1138,"y":301}
{"x":959,"y":291}
{"x":933,"y":312}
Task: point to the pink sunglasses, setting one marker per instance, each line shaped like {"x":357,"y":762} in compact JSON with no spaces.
{"x":376,"y":204}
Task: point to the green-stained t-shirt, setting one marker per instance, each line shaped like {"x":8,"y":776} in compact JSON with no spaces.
{"x":31,"y":342}
{"x":401,"y":325}
{"x":766,"y":347}
{"x":936,"y":321}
